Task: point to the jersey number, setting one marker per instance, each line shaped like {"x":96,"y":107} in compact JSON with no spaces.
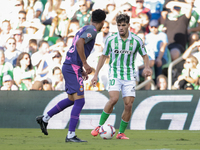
{"x":112,"y":82}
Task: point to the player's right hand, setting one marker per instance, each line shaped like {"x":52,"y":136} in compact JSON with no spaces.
{"x":94,"y":81}
{"x":87,"y":68}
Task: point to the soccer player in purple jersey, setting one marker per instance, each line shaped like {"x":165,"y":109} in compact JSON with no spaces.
{"x":75,"y":69}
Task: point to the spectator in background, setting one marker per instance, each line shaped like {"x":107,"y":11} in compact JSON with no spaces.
{"x":30,"y":14}
{"x":37,"y":85}
{"x":189,"y":73}
{"x":5,"y":32}
{"x":73,"y":26}
{"x":60,"y":46}
{"x":11,"y":53}
{"x":8,"y":84}
{"x":83,"y":14}
{"x":136,"y":25}
{"x":18,"y":6}
{"x":157,"y":41}
{"x":103,"y":35}
{"x":34,"y":30}
{"x":145,"y":22}
{"x":37,"y":6}
{"x":194,"y":24}
{"x":26,"y":81}
{"x":20,"y":44}
{"x":40,"y":59}
{"x":47,"y":85}
{"x":111,"y":13}
{"x":18,"y":22}
{"x":166,"y":10}
{"x":176,"y":26}
{"x":189,"y":53}
{"x":23,"y":69}
{"x":55,"y":62}
{"x":58,"y":83}
{"x":50,"y":11}
{"x":156,"y":7}
{"x":139,"y":8}
{"x":70,"y":7}
{"x":32,"y":46}
{"x":127,"y":8}
{"x":6,"y":68}
{"x":189,"y":86}
{"x":161,"y":82}
{"x":60,"y":24}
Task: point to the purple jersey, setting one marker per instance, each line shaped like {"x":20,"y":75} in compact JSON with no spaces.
{"x":89,"y":34}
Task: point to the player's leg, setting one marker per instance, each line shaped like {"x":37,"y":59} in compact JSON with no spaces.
{"x":60,"y":106}
{"x":75,"y":113}
{"x":70,"y":78}
{"x":77,"y":93}
{"x":128,"y":94}
{"x":114,"y":96}
{"x":114,"y":90}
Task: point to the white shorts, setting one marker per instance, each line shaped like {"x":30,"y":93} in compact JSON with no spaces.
{"x":126,"y":86}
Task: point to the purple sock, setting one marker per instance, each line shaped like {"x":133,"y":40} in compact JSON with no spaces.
{"x":76,"y":110}
{"x":60,"y":106}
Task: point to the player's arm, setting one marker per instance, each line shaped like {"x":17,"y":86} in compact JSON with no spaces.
{"x":81,"y":52}
{"x":147,"y":70}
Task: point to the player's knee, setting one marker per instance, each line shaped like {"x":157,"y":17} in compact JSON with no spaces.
{"x":113,"y":100}
{"x":128,"y":107}
{"x":80,"y":102}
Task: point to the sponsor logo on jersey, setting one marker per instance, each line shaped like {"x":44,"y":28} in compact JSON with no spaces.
{"x":116,"y":51}
{"x":89,"y":35}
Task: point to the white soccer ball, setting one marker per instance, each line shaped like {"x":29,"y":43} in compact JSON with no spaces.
{"x":107,"y":131}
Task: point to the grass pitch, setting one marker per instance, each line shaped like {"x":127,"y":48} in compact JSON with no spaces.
{"x":33,"y":139}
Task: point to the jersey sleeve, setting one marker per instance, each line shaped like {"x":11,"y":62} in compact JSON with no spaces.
{"x":141,"y":48}
{"x":89,"y":34}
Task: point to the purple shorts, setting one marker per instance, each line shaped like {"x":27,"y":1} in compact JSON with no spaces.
{"x":73,"y":79}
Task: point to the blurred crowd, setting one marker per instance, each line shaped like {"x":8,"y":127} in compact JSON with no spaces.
{"x":36,"y":34}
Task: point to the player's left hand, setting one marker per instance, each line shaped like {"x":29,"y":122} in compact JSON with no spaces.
{"x":84,"y":75}
{"x":87,"y":68}
{"x":147,"y":72}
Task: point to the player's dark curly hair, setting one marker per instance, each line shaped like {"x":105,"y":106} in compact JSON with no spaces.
{"x":98,"y":15}
{"x":122,"y":18}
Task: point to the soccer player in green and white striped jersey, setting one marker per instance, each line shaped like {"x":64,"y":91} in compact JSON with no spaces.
{"x":122,"y":48}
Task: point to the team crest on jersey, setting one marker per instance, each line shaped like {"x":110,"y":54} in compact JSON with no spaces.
{"x":81,"y":88}
{"x":89,"y":35}
{"x":142,"y":45}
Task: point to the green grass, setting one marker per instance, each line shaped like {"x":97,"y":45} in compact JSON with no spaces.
{"x":33,"y":139}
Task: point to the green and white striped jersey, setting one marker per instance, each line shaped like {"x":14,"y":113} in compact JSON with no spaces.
{"x":122,"y":55}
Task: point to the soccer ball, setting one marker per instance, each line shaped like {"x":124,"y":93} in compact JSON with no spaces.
{"x":107,"y":131}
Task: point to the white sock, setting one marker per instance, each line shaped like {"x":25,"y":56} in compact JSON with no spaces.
{"x":70,"y":134}
{"x":46,"y":118}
